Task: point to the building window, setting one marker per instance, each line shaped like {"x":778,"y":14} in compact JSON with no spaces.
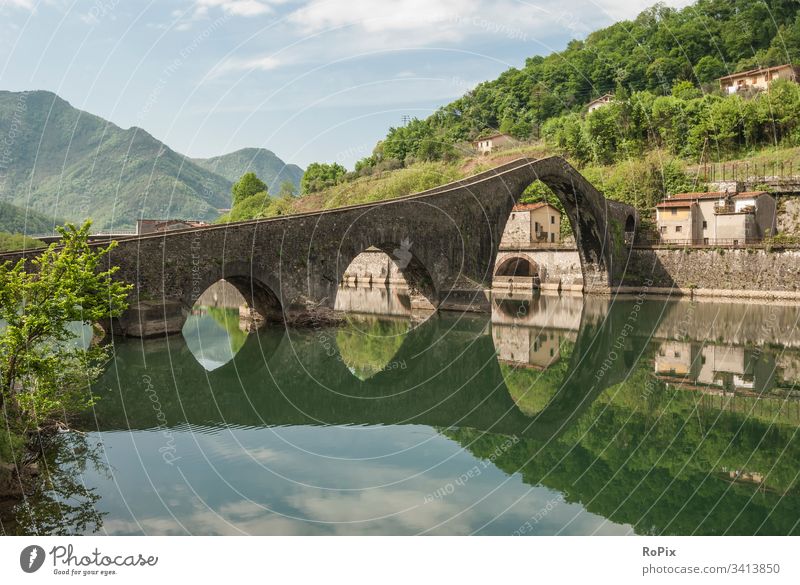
{"x":552,"y":219}
{"x":674,"y":211}
{"x":678,"y":228}
{"x":705,"y":241}
{"x":663,"y":229}
{"x":705,"y":225}
{"x":552,"y":238}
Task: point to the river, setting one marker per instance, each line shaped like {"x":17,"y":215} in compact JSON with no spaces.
{"x":551,"y":415}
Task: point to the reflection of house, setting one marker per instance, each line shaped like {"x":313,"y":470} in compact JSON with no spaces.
{"x":532,"y":223}
{"x":603,"y":100}
{"x":527,"y":347}
{"x":758,"y":79}
{"x":153,"y":226}
{"x":716,"y":217}
{"x":726,"y":367}
{"x":493,"y":142}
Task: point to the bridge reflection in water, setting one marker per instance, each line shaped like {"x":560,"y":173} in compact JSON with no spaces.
{"x":608,"y":417}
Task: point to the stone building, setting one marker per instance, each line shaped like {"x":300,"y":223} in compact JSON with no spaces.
{"x":493,"y":142}
{"x":532,"y":223}
{"x":716,"y":218}
{"x":758,"y":79}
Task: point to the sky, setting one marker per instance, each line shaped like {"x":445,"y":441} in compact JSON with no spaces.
{"x":312,"y":80}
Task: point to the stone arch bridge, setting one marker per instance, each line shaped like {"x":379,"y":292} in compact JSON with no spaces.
{"x":445,"y":240}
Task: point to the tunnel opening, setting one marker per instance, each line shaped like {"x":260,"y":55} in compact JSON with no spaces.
{"x":516,"y":274}
{"x":517,"y":267}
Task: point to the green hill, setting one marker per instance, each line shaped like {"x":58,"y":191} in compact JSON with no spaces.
{"x":17,"y":220}
{"x":71,"y":164}
{"x":650,"y":53}
{"x":264,"y":163}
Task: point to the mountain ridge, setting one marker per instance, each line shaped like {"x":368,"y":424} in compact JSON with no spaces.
{"x":67,"y":163}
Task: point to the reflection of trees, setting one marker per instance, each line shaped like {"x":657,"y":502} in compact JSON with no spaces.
{"x":62,"y":505}
{"x":655,"y":457}
{"x":531,"y":388}
{"x":228,"y":320}
{"x":368,"y":344}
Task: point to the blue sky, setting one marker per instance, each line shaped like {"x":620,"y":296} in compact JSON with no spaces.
{"x":318,"y":80}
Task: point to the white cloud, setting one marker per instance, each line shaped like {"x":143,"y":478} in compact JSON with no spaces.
{"x":262,"y":63}
{"x":233,"y":7}
{"x":25,"y":4}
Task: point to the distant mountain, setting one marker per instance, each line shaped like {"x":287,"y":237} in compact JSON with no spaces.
{"x":264,"y":163}
{"x":67,"y":163}
{"x":17,"y":220}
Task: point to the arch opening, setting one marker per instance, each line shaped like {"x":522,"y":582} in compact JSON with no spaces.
{"x":516,"y":266}
{"x":223,"y":316}
{"x":387,"y":280}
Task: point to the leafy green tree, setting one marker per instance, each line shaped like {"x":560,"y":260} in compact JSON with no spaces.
{"x":709,"y":68}
{"x":247,"y":186}
{"x":43,"y":373}
{"x":287,"y":189}
{"x":318,"y":176}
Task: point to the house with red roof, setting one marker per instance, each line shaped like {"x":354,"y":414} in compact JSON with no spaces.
{"x":716,"y":218}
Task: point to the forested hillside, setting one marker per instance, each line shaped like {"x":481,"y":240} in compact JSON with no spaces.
{"x":650,"y":54}
{"x":66,"y":163}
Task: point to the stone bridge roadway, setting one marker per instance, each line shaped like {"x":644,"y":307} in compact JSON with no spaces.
{"x":299,"y":377}
{"x":445,"y":239}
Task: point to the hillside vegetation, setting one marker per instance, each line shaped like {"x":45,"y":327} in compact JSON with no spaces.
{"x":25,"y":221}
{"x":67,"y":163}
{"x":668,"y":116}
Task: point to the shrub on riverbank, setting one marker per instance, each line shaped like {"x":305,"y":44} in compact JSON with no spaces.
{"x":44,"y":375}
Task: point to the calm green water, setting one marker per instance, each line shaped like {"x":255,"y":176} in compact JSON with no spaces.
{"x":549,"y":416}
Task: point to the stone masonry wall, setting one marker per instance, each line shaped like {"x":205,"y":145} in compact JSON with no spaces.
{"x":722,"y":271}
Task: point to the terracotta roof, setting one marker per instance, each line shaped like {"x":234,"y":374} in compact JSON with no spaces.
{"x":610,"y":96}
{"x":709,"y":195}
{"x":679,"y":203}
{"x":532,"y":206}
{"x":756,"y":70}
{"x":749,"y":194}
{"x":495,"y":135}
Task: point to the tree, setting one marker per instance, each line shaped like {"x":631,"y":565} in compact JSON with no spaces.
{"x":287,"y":189}
{"x":43,"y":373}
{"x":318,"y":176}
{"x":248,"y":185}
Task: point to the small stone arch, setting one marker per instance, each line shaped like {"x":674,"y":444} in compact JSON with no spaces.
{"x":401,"y":259}
{"x":516,"y":266}
{"x":256,"y":289}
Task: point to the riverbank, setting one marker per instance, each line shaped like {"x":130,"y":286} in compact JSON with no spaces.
{"x":741,"y":273}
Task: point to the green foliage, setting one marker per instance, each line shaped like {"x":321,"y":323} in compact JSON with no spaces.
{"x":288,"y":189}
{"x":259,"y":206}
{"x":401,"y":182}
{"x":247,"y":186}
{"x":18,"y":220}
{"x":319,"y":176}
{"x":367,"y":345}
{"x":626,"y":58}
{"x":42,"y":372}
{"x":17,"y":242}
